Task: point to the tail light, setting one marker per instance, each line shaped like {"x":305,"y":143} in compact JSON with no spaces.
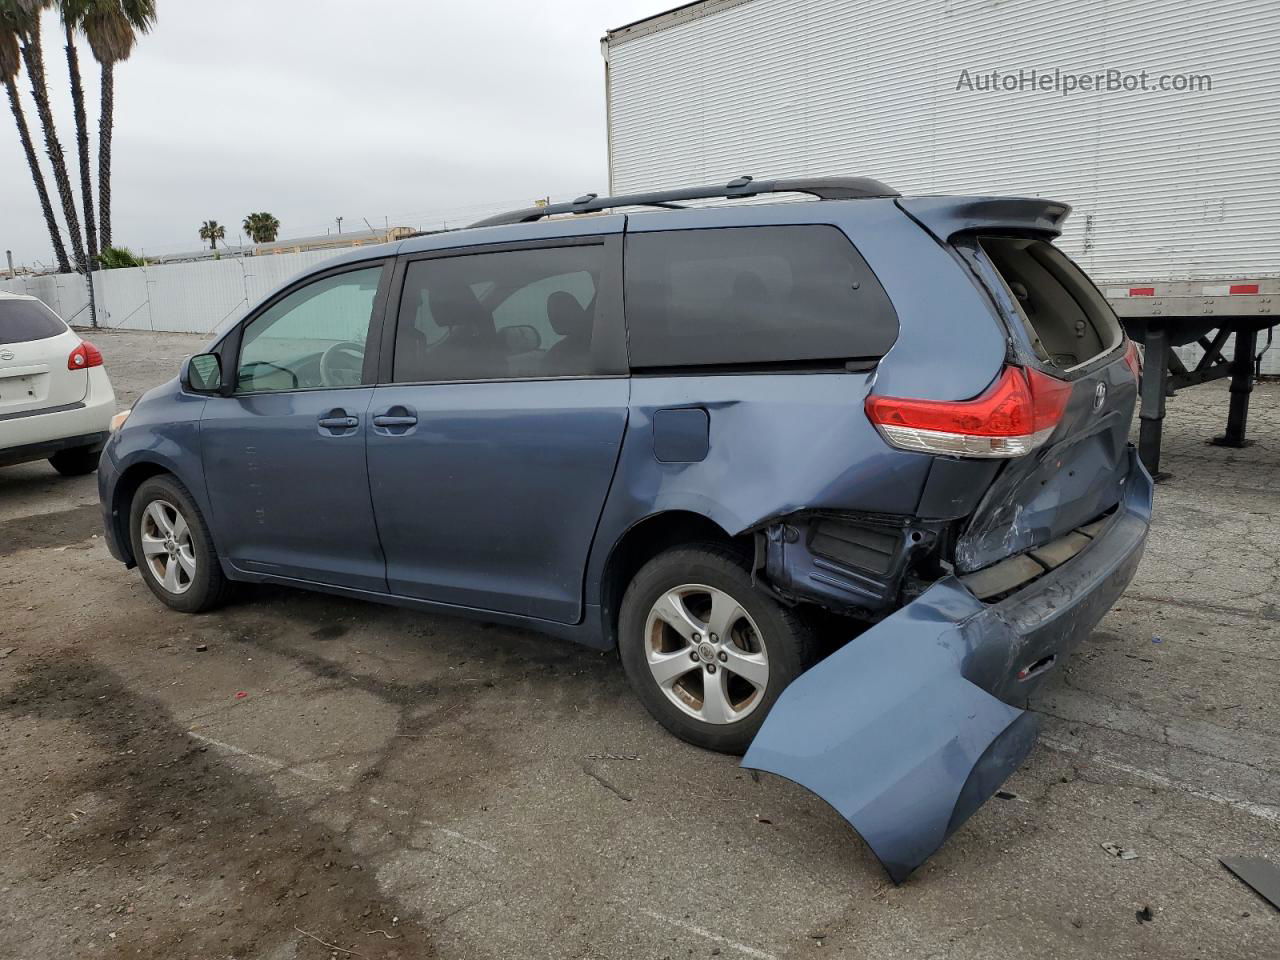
{"x":1013,"y":417}
{"x":84,"y":356}
{"x":1134,"y":359}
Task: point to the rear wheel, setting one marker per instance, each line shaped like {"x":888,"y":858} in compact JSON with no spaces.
{"x":173,"y":548}
{"x":707,"y":653}
{"x":75,"y":462}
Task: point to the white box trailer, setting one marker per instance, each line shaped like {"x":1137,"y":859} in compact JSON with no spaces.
{"x":1157,"y":120}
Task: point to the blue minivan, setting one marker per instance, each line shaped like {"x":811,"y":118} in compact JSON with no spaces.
{"x":715,"y":437}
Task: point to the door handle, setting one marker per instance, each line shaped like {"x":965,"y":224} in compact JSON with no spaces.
{"x":397,"y":420}
{"x":339,"y":423}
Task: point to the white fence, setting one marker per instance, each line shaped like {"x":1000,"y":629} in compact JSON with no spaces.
{"x":195,"y":297}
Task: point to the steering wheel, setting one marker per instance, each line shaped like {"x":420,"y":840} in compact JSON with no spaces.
{"x":248,"y":367}
{"x":342,"y":364}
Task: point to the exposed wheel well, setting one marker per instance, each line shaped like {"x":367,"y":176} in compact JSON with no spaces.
{"x":644,"y":541}
{"x":126,"y":487}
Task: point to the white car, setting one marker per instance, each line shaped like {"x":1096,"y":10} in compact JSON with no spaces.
{"x":56,"y":402}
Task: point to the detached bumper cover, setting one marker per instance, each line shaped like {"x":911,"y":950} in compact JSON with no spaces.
{"x":912,"y":726}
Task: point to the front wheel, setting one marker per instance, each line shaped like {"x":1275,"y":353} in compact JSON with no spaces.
{"x":706,"y":653}
{"x":173,"y":548}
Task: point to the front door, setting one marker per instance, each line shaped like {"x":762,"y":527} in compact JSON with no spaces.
{"x":491,"y":452}
{"x":284,"y":456}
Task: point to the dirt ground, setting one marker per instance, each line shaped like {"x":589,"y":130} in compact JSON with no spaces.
{"x":298,"y":776}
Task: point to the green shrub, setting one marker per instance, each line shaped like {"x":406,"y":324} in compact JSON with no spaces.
{"x":113,"y":258}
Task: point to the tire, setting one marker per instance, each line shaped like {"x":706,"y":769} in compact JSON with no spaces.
{"x":76,"y":462}
{"x":760,"y":629}
{"x":197,"y":583}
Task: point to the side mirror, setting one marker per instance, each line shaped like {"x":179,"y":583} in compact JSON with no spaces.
{"x":203,"y":373}
{"x":521,"y":338}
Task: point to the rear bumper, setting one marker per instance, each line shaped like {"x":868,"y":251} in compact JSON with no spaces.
{"x":37,"y":434}
{"x":29,"y":452}
{"x":909,"y":728}
{"x":1018,"y":643}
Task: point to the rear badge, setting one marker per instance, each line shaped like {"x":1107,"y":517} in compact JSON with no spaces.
{"x":5,"y":355}
{"x":1099,"y":397}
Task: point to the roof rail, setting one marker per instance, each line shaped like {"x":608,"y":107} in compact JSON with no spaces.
{"x":824,"y":188}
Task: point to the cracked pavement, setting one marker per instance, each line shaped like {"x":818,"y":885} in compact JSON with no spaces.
{"x":336,"y":775}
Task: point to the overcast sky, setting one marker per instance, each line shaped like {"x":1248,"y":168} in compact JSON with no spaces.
{"x":313,"y":109}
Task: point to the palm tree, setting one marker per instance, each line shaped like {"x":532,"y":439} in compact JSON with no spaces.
{"x":24,"y":15}
{"x":112,"y":27}
{"x":10,"y":64}
{"x":212,"y":231}
{"x":261,"y":227}
{"x":73,"y":14}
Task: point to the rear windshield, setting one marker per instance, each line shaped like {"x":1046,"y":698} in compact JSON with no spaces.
{"x":1066,"y":317}
{"x":752,"y":295}
{"x":25,"y":320}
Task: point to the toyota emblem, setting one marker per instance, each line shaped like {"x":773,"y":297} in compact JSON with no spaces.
{"x":1099,"y":397}
{"x":6,"y":355}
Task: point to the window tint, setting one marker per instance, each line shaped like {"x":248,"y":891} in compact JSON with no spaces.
{"x":25,"y":320}
{"x":312,"y":338}
{"x":747,"y":295}
{"x":491,"y":316}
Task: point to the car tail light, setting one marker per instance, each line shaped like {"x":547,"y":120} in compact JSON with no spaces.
{"x":1134,"y":359}
{"x":84,"y":356}
{"x":1013,"y":417}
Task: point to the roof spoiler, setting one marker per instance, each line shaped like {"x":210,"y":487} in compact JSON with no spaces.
{"x":945,"y":217}
{"x":824,"y":188}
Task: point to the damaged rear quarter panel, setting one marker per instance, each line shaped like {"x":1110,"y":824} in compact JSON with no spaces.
{"x":779,"y":442}
{"x":850,"y":564}
{"x":776,"y":444}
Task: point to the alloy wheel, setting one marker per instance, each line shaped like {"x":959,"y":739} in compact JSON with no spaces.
{"x":166,"y":546}
{"x":706,"y":653}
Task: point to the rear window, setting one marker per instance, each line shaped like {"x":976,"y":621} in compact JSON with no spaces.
{"x":25,"y":320}
{"x":752,"y":295}
{"x":1066,"y":317}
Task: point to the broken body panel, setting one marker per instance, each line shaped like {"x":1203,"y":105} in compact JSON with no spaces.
{"x":907,"y":729}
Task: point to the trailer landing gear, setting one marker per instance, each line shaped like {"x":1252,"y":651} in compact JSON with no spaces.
{"x":1163,"y":373}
